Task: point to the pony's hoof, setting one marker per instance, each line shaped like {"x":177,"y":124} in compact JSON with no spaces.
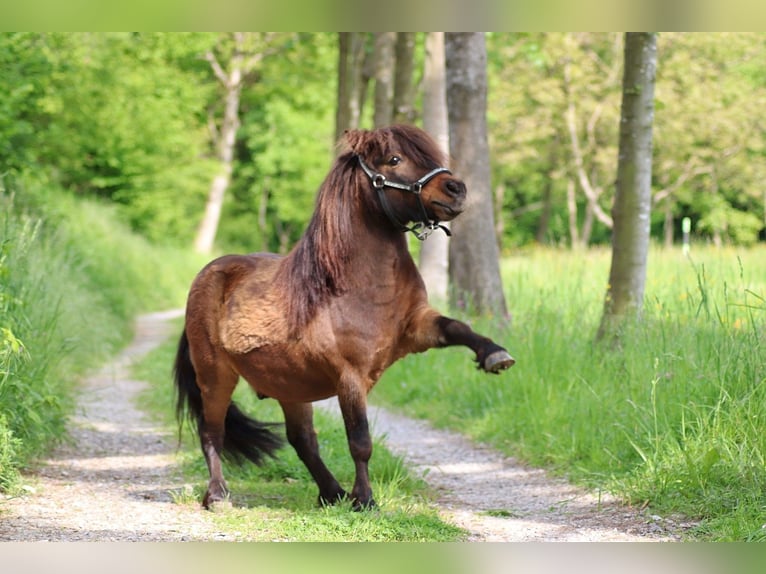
{"x":498,"y":361}
{"x":220,"y":506}
{"x":216,"y":499}
{"x":332,"y":500}
{"x":359,"y":506}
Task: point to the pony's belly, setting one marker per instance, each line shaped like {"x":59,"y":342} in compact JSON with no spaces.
{"x":285,"y":376}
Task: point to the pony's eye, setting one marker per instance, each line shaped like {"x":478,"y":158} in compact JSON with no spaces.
{"x":394,"y":160}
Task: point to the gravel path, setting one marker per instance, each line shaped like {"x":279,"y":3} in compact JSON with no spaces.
{"x":497,"y":499}
{"x":114,"y":482}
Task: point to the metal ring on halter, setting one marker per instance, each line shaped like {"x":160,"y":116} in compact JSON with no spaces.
{"x":378,"y":181}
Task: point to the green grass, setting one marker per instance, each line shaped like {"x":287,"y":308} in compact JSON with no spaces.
{"x":72,"y":277}
{"x":674,"y":418}
{"x":279,"y":500}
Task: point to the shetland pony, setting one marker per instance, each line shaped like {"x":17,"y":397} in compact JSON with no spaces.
{"x":328,"y":318}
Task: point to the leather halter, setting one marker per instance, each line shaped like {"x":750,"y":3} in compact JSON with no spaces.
{"x":421,"y":229}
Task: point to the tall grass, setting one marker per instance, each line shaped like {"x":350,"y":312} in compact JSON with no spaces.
{"x":673,"y":419}
{"x":71,"y":279}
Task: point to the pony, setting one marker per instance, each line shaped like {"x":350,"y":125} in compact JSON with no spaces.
{"x":328,"y":318}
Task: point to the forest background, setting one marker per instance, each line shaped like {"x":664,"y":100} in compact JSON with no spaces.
{"x":131,"y":118}
{"x":109,"y":143}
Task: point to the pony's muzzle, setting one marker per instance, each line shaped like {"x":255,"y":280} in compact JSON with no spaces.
{"x":455,"y":188}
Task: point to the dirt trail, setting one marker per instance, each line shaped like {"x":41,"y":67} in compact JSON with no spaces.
{"x":114,"y":482}
{"x":497,"y":499}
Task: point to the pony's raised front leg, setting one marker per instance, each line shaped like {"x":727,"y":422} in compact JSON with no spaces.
{"x":352,"y":397}
{"x":299,"y":425}
{"x":491,"y":357}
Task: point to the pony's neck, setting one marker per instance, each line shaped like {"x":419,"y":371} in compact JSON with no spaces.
{"x":348,"y":245}
{"x":377,"y":257}
{"x":376,"y":234}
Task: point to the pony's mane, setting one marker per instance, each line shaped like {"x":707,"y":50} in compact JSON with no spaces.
{"x":317,"y":267}
{"x":410,"y":141}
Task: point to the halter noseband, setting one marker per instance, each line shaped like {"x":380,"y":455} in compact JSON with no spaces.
{"x":421,"y":229}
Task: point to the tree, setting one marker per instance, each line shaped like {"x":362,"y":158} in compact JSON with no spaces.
{"x":474,"y":255}
{"x":351,"y":81}
{"x":26,"y":71}
{"x":709,"y":150}
{"x":404,"y":86}
{"x":385,"y":64}
{"x":434,"y":252}
{"x":283,"y":148}
{"x":113,"y":115}
{"x":553,"y":123}
{"x":633,"y":197}
{"x":243,"y":52}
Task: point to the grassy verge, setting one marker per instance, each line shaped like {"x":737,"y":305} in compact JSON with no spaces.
{"x":278,"y":501}
{"x":673,"y":420}
{"x":71,"y":280}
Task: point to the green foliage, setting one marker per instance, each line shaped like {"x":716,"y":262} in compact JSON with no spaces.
{"x":72,"y":277}
{"x":25,"y":71}
{"x":286,"y":147}
{"x":673,"y":417}
{"x":120,"y":116}
{"x":708,"y":149}
{"x":126,"y":117}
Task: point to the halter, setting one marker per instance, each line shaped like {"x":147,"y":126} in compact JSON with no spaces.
{"x":421,"y":229}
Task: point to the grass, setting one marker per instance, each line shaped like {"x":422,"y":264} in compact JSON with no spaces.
{"x":673,"y":419}
{"x":278,"y":501}
{"x":72,"y":278}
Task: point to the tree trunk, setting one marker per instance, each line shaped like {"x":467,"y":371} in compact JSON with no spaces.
{"x":350,"y":81}
{"x":384,"y":78}
{"x":434,"y":252}
{"x":587,"y":225}
{"x":404,"y":88}
{"x":474,"y":256}
{"x":263,"y":206}
{"x":232,"y":83}
{"x":545,"y":216}
{"x":574,"y":233}
{"x":632,"y":202}
{"x":668,"y":224}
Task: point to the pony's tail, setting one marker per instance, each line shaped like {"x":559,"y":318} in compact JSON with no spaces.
{"x":244,"y":437}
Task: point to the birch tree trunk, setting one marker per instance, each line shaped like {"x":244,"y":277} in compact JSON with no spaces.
{"x":474,"y":256}
{"x":574,"y":233}
{"x":434,"y":251}
{"x":231,"y":81}
{"x":633,"y":200}
{"x":241,"y":52}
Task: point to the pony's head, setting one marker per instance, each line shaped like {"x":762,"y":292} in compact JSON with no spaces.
{"x":388,"y":177}
{"x":405,"y":171}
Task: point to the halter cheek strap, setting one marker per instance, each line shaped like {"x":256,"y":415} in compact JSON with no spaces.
{"x":421,"y":229}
